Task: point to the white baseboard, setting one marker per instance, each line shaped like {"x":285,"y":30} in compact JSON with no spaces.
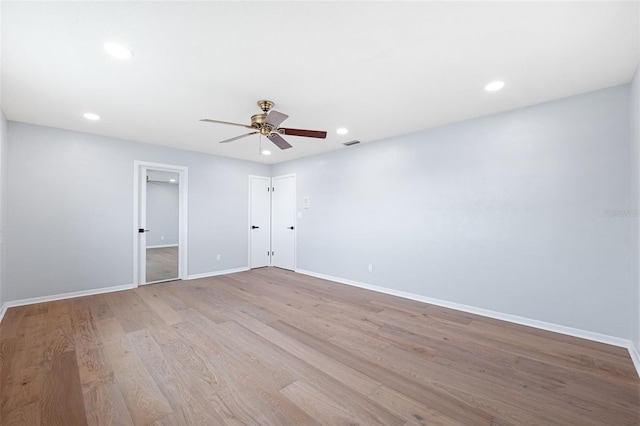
{"x":556,"y":328}
{"x":163,"y":246}
{"x":635,"y":356}
{"x":71,"y":295}
{"x":214,"y":273}
{"x":22,"y":302}
{"x":3,"y":310}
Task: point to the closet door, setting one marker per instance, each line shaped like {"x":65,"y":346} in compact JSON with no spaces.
{"x":283,"y":221}
{"x":259,"y":221}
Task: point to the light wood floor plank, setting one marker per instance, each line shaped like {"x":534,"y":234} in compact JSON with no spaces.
{"x":62,"y":402}
{"x":410,"y":409}
{"x":322,"y":407}
{"x":157,"y":305}
{"x":93,"y":368}
{"x":452,"y":407}
{"x":23,"y":382}
{"x":28,"y":414}
{"x":346,"y":375}
{"x":144,"y":400}
{"x":105,"y":406}
{"x":243,"y":370}
{"x":271,"y":347}
{"x":189,"y":407}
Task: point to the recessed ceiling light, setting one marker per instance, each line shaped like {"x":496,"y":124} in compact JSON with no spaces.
{"x":494,"y":86}
{"x":172,"y":180}
{"x":91,"y":116}
{"x":342,"y":131}
{"x":266,"y":152}
{"x":118,"y":51}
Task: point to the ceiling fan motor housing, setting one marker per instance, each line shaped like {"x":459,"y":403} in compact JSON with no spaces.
{"x":258,"y":122}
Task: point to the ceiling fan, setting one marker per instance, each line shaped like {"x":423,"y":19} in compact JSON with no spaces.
{"x":267,"y":124}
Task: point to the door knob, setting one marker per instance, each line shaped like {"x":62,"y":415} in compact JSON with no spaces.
{"x":291,"y":227}
{"x":254,"y":227}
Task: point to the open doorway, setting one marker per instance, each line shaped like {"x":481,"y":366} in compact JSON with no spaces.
{"x":160,"y":223}
{"x":163,"y":207}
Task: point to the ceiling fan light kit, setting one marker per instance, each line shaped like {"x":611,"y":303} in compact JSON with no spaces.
{"x":268,"y":124}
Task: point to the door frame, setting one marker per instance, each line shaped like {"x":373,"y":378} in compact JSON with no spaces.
{"x":295,"y":216}
{"x":268,"y":179}
{"x":139,"y":217}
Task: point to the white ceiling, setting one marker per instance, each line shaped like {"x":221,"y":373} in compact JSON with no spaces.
{"x":379,"y":68}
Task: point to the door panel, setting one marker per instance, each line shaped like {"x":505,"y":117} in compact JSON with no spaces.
{"x":162,"y":224}
{"x":283,"y":221}
{"x":259,"y":221}
{"x":160,"y":214}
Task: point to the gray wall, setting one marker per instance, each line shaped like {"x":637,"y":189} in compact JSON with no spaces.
{"x":635,"y":141}
{"x":163,"y":206}
{"x":70,"y":210}
{"x":4,"y":138}
{"x":506,"y":213}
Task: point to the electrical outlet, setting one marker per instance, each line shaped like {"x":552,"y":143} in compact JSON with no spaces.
{"x":218,"y":257}
{"x":370,"y":267}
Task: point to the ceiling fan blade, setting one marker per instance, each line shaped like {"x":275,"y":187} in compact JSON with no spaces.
{"x":238,"y":137}
{"x":226,"y":122}
{"x":279,"y":141}
{"x":306,"y":133}
{"x":274,"y":118}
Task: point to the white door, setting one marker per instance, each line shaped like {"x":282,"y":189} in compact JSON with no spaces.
{"x":160,"y":250}
{"x":162,"y":226}
{"x":283,"y":221}
{"x":259,"y":221}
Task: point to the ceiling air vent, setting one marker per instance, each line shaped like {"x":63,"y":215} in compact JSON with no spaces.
{"x":353,"y":142}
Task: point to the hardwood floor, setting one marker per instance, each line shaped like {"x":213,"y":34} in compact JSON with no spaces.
{"x":273,"y":347}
